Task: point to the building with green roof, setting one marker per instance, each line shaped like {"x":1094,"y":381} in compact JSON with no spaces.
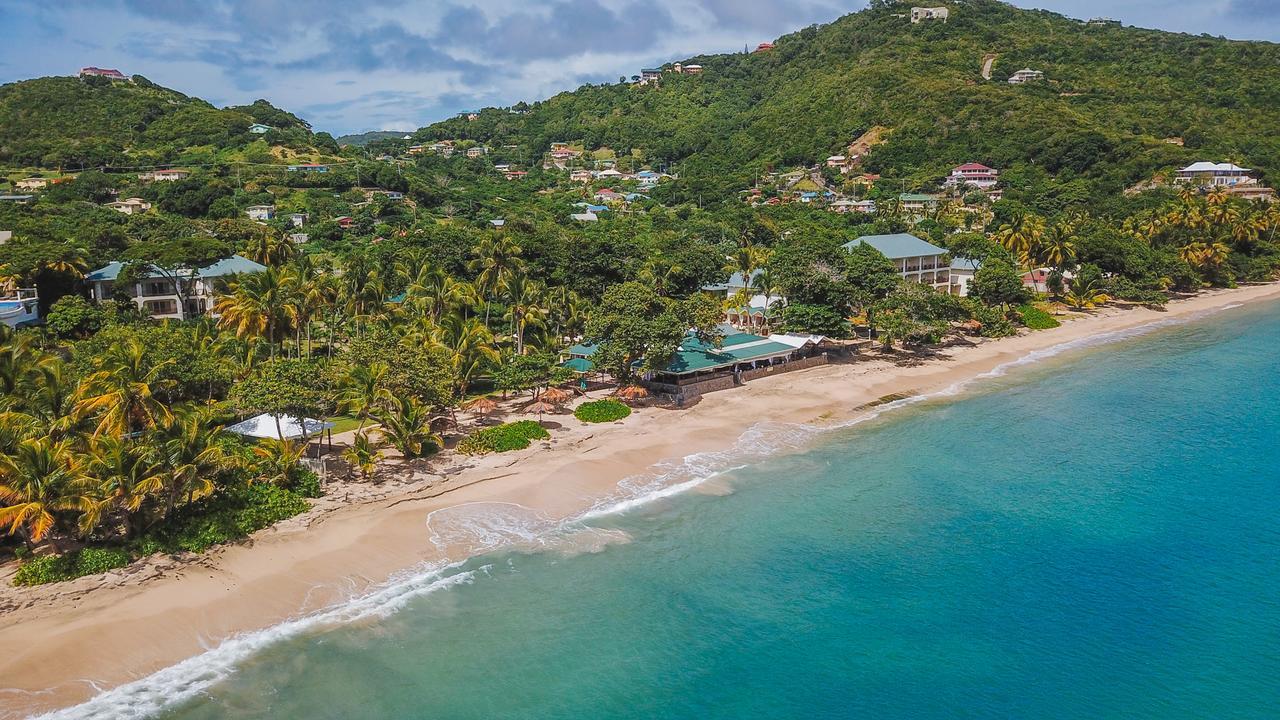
{"x":917,"y":260}
{"x":155,"y":291}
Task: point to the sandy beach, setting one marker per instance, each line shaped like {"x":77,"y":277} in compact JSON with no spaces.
{"x":61,"y":644}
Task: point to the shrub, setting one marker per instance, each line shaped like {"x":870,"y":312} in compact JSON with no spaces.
{"x":68,"y":566}
{"x":306,"y":483}
{"x":503,"y":438}
{"x":228,"y":515}
{"x":601,"y":411}
{"x":995,"y":324}
{"x":1037,"y":319}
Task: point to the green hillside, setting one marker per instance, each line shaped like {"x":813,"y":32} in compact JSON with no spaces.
{"x":1111,"y":98}
{"x":362,"y":139}
{"x":67,"y":122}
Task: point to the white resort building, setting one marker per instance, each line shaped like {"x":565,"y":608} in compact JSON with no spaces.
{"x":156,"y":293}
{"x":916,"y":260}
{"x":1210,"y":174}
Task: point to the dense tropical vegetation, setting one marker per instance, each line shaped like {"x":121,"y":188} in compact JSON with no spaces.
{"x":424,"y":281}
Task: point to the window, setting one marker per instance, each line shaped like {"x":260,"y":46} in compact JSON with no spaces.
{"x":161,"y":307}
{"x":157,"y":287}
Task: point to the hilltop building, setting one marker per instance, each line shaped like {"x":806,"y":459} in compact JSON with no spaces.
{"x":108,"y":73}
{"x":921,"y":14}
{"x":259,"y":129}
{"x":975,"y":174}
{"x":261,"y":213}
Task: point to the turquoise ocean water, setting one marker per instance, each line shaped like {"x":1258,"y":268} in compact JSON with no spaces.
{"x":1096,"y":535}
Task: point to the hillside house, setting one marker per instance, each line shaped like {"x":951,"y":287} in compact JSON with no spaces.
{"x":585,"y":217}
{"x":260,"y":129}
{"x":515,"y":174}
{"x":921,"y":14}
{"x":345,"y":221}
{"x":17,"y":199}
{"x":156,"y":293}
{"x":130,"y":206}
{"x":297,"y":219}
{"x":974,"y":175}
{"x":1208,"y":174}
{"x":416,"y":149}
{"x":108,"y":73}
{"x":5,"y":236}
{"x":764,"y":47}
{"x":477,"y":151}
{"x":1252,"y":191}
{"x":32,"y":183}
{"x":607,"y":196}
{"x":261,"y":213}
{"x":866,"y":180}
{"x":585,"y":176}
{"x":299,"y":238}
{"x":916,"y":260}
{"x":309,"y":168}
{"x":918,"y":203}
{"x":170,"y":175}
{"x":1026,"y":75}
{"x":865,"y":207}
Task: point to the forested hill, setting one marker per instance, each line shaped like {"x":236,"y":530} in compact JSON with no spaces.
{"x":362,"y":139}
{"x":68,"y":122}
{"x":1112,"y":98}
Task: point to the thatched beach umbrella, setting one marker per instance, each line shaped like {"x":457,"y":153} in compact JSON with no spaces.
{"x":555,"y":396}
{"x":539,"y":407}
{"x":481,"y":406}
{"x":632,"y":392}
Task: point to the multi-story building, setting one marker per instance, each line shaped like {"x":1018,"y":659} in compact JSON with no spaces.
{"x":916,"y":260}
{"x":158,"y":293}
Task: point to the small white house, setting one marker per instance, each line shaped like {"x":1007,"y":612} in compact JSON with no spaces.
{"x":259,"y":129}
{"x":962,"y":272}
{"x":130,"y":206}
{"x":261,"y":213}
{"x":32,"y":183}
{"x":1026,"y":75}
{"x":297,"y":219}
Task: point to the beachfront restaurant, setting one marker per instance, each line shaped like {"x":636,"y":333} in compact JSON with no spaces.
{"x":700,"y":366}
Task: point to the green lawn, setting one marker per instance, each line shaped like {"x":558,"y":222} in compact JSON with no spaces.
{"x":343,"y":423}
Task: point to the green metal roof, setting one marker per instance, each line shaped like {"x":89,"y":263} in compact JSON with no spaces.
{"x":695,"y":355}
{"x":233,"y":265}
{"x":897,"y":247}
{"x":579,"y":365}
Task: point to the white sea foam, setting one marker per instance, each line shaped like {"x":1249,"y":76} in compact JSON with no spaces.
{"x":488,"y":526}
{"x":190,"y":678}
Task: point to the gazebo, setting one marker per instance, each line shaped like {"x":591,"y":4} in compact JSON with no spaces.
{"x":283,"y":427}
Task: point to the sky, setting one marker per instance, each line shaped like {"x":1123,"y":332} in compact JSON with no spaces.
{"x":400,"y":64}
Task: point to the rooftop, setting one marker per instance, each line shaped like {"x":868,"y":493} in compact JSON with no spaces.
{"x":897,"y":247}
{"x":233,"y":265}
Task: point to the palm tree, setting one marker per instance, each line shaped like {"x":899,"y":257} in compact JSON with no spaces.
{"x":122,"y":391}
{"x":278,"y":460}
{"x":271,"y":249}
{"x":364,"y":392}
{"x":1021,"y":236}
{"x":1085,"y":291}
{"x":496,"y":258}
{"x":1058,"y":247}
{"x":127,"y":474}
{"x":407,"y":426}
{"x":361,"y":455}
{"x":472,"y":346}
{"x":254,"y":306}
{"x":192,"y":454}
{"x":41,"y":479}
{"x":659,"y":272}
{"x":526,"y":305}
